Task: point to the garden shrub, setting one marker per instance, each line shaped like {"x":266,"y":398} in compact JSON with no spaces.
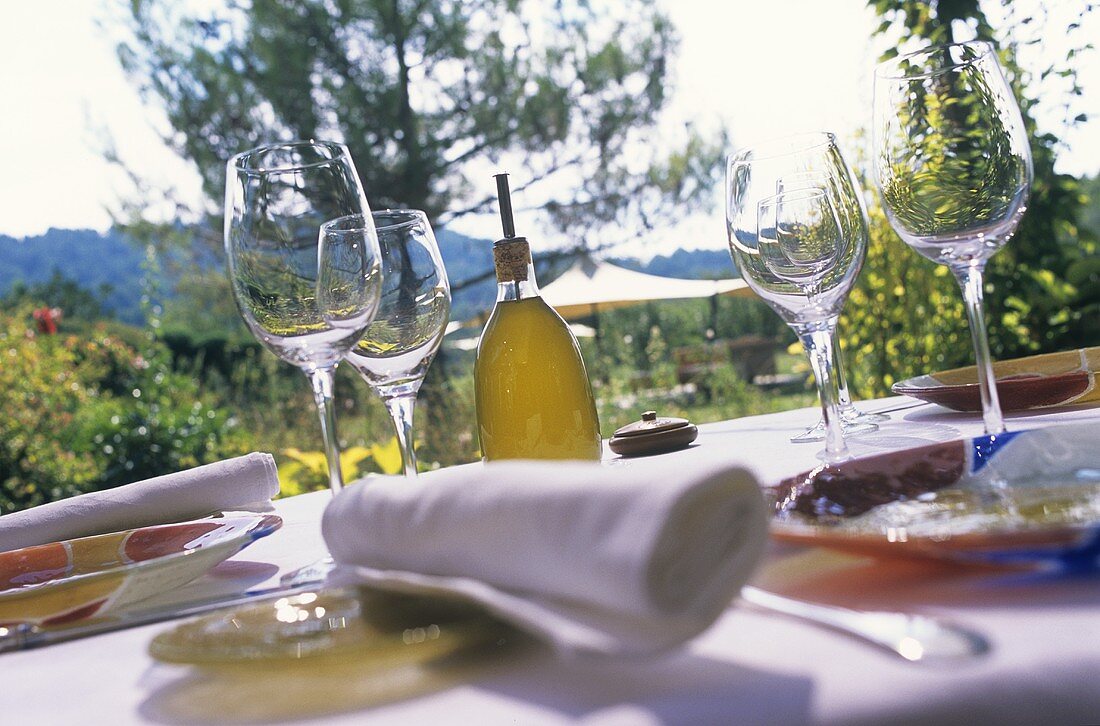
{"x":90,"y":412}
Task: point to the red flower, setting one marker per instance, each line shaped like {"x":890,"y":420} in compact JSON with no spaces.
{"x":46,"y":320}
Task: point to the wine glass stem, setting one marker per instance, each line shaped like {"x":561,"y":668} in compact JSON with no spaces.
{"x":401,"y":411}
{"x":844,"y":399}
{"x":818,"y":341}
{"x":322,"y":382}
{"x":970,"y":279}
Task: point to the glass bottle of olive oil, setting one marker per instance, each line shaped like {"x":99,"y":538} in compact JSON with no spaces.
{"x":533,"y":397}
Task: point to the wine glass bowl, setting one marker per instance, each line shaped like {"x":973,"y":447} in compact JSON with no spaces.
{"x":953,"y":164}
{"x":753,"y":176}
{"x":799,"y":237}
{"x":305,"y":297}
{"x":951,"y":153}
{"x":394,"y":354}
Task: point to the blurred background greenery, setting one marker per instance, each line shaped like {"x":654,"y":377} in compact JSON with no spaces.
{"x":124,"y":356}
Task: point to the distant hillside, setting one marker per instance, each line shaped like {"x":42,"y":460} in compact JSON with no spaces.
{"x":94,"y":260}
{"x":466,"y":258}
{"x":692,"y":264}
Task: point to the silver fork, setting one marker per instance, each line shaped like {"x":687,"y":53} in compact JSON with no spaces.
{"x":916,"y":638}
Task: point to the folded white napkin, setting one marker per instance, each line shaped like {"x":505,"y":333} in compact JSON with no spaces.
{"x":242,"y":483}
{"x":616,"y":560}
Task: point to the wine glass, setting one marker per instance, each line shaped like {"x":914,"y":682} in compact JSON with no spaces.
{"x":799,"y":250}
{"x":852,"y":419}
{"x":306,"y":297}
{"x":394,"y":354}
{"x":952,"y":161}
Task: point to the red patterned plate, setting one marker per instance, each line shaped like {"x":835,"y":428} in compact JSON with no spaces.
{"x":1052,"y":379}
{"x":66,"y":581}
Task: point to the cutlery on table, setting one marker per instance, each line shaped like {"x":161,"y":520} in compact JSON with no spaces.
{"x":916,"y":638}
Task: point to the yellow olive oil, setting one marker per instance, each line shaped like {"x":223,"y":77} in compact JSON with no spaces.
{"x":534,"y":400}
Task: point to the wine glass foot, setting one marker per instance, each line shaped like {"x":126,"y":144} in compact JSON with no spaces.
{"x":852,"y":415}
{"x":850,"y":428}
{"x":311,"y":574}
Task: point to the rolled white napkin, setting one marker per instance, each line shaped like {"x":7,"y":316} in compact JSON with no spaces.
{"x":617,"y":560}
{"x":241,"y":483}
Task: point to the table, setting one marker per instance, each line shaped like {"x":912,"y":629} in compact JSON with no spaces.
{"x":750,"y":667}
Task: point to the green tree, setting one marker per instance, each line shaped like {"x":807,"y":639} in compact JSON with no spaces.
{"x":905,"y":315}
{"x":566,"y":93}
{"x":74,"y":301}
{"x":903,"y":318}
{"x":1084,"y":274}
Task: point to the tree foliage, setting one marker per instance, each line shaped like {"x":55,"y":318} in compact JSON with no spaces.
{"x":904,"y":316}
{"x":426,"y":93}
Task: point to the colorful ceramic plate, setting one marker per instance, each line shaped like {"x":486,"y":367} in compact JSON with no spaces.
{"x":1026,"y":496}
{"x":1052,"y":379}
{"x":66,"y":581}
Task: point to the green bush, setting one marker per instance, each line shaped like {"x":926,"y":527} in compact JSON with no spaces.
{"x":88,"y":413}
{"x":905,"y":315}
{"x":722,"y":386}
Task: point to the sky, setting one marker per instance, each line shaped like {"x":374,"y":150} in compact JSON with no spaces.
{"x":760,"y":69}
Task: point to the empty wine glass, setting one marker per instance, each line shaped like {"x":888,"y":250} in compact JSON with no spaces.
{"x":853,"y":419}
{"x":306,"y":297}
{"x":394,"y":354}
{"x":953,"y":164}
{"x":794,"y":250}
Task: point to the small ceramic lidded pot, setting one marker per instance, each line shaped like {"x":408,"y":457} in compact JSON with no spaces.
{"x":653,"y":435}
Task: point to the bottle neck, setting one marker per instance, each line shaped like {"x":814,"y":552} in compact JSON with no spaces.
{"x":518,"y":289}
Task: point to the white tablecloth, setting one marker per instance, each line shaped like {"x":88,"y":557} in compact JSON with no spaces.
{"x":750,"y":667}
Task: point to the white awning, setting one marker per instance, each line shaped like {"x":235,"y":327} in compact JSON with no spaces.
{"x":591,"y":285}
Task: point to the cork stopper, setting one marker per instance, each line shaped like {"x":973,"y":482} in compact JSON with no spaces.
{"x":512,"y":254}
{"x":511,"y":258}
